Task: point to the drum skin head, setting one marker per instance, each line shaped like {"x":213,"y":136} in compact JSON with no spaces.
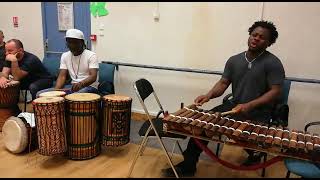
{"x":116,"y":97}
{"x":48,"y":100}
{"x":52,"y":94}
{"x":82,"y":97}
{"x":15,"y":135}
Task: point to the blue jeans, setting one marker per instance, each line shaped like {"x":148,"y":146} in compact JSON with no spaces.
{"x":88,"y":89}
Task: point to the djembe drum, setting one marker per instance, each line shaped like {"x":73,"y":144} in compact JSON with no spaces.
{"x":9,"y":98}
{"x":20,"y":135}
{"x":51,"y":125}
{"x":53,"y":94}
{"x":116,"y":120}
{"x":83,"y":125}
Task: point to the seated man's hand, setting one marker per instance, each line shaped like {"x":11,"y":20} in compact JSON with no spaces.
{"x":200,"y":100}
{"x":4,"y":82}
{"x":76,"y":86}
{"x":12,"y":57}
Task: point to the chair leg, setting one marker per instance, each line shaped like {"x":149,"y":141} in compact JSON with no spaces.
{"x":218,"y":147}
{"x":144,"y":146}
{"x":263,"y":173}
{"x":174,"y":146}
{"x":25,"y":100}
{"x":139,"y":151}
{"x":137,"y":155}
{"x":179,"y":147}
{"x":288,"y":174}
{"x":162,"y":145}
{"x":166,"y":153}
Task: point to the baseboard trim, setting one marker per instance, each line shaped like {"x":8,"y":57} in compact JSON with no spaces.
{"x":139,"y":116}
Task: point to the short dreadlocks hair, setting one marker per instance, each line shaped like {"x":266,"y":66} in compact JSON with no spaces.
{"x":268,"y":25}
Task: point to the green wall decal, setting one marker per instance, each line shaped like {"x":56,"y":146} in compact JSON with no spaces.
{"x":98,"y":8}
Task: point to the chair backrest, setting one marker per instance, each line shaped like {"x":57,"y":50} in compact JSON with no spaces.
{"x":52,"y":65}
{"x":285,"y":91}
{"x":144,"y":89}
{"x":280,"y":114}
{"x":106,"y":78}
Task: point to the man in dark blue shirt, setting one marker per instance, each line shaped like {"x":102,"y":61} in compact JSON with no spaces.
{"x":24,"y":67}
{"x":2,"y":50}
{"x":257,"y":77}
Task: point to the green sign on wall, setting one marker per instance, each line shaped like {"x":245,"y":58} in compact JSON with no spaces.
{"x":98,"y":9}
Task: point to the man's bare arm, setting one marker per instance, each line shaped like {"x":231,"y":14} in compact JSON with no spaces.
{"x":5,"y":72}
{"x":266,"y":98}
{"x":16,"y":72}
{"x":93,"y":73}
{"x":61,"y":78}
{"x":217,"y":90}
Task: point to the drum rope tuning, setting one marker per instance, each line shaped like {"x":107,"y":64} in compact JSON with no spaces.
{"x":78,"y":124}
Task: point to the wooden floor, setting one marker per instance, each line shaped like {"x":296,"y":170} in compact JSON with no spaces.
{"x":116,"y":161}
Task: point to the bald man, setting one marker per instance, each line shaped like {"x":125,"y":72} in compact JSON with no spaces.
{"x":24,"y":67}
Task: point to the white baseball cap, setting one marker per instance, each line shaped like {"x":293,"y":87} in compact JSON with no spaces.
{"x":74,"y":33}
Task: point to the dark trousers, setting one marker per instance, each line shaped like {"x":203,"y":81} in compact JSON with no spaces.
{"x":36,"y":86}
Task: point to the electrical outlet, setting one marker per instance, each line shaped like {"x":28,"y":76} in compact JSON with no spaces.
{"x":101,"y":27}
{"x":156,"y":16}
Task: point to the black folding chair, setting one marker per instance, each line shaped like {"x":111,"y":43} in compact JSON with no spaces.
{"x":154,"y":126}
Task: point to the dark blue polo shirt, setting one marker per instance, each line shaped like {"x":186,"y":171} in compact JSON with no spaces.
{"x":31,"y":64}
{"x":2,"y":56}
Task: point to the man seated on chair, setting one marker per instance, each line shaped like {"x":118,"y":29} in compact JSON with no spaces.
{"x":81,"y":64}
{"x":2,"y":51}
{"x":257,"y":77}
{"x":24,"y":67}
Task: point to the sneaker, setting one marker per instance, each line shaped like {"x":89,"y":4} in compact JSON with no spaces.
{"x":253,"y":159}
{"x":181,"y":171}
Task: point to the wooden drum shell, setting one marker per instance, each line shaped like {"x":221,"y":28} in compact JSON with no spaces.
{"x":83,"y":126}
{"x":116,"y":120}
{"x":51,"y":125}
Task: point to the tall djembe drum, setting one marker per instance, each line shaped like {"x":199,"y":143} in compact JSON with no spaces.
{"x":83,"y":125}
{"x":116,"y":120}
{"x":51,"y":126}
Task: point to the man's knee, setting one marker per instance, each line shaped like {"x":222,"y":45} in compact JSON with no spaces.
{"x":33,"y":88}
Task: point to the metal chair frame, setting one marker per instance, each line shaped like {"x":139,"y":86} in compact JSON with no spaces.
{"x":152,"y":127}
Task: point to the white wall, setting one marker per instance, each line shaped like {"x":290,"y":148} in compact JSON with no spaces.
{"x":204,"y":36}
{"x":29,"y":30}
{"x":190,"y":35}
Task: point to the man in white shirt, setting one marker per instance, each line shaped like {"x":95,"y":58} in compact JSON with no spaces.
{"x":81,"y":64}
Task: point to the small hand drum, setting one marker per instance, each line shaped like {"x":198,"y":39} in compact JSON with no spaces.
{"x":83,"y":125}
{"x":116,"y":120}
{"x":19,"y":135}
{"x":51,"y":126}
{"x":53,"y":94}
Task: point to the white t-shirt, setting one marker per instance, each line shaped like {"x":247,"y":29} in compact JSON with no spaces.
{"x":78,"y":66}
